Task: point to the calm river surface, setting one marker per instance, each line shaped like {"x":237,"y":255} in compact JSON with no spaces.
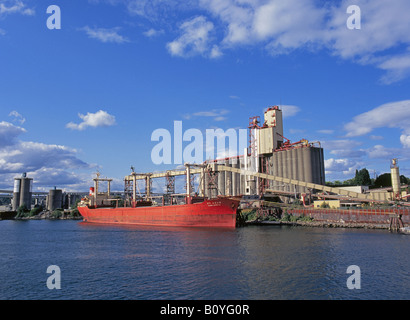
{"x":251,"y":263}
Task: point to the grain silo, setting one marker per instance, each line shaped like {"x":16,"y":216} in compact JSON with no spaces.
{"x":55,"y":199}
{"x":395,"y":178}
{"x":271,"y":153}
{"x":22,"y":193}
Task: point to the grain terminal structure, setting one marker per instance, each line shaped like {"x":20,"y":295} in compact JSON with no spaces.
{"x":271,"y":153}
{"x":267,"y":166}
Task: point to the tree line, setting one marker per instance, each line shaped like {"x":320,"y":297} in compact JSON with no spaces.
{"x":362,"y":178}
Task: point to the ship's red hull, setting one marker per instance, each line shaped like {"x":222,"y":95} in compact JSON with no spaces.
{"x":210,"y":213}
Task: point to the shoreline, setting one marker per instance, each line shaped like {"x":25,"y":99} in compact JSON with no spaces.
{"x":44,"y":215}
{"x":47,"y":215}
{"x":47,"y":218}
{"x":319,"y":224}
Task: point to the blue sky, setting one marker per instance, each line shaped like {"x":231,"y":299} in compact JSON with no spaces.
{"x":88,"y":96}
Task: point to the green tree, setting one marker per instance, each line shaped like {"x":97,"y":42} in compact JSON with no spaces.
{"x":383,"y":181}
{"x":21,"y":211}
{"x":362,"y":177}
{"x":404,"y":179}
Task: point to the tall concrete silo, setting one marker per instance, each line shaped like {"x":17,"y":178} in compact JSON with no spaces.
{"x":395,"y":178}
{"x":16,"y":195}
{"x":55,"y":199}
{"x":22,"y":193}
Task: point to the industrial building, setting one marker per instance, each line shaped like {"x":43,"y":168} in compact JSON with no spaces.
{"x":270,"y":167}
{"x":268,"y":154}
{"x":271,"y":153}
{"x":54,"y":199}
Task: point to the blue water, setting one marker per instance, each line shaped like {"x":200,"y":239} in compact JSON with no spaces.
{"x":252,"y":263}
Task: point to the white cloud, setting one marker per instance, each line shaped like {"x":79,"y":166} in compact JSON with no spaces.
{"x":341,"y":166}
{"x":153,"y":33}
{"x":9,"y":133}
{"x":99,"y":119}
{"x":105,"y":35}
{"x":381,"y":152}
{"x":212,"y":113}
{"x":373,"y":137}
{"x":17,"y":117}
{"x":385,"y":24}
{"x":344,"y":148}
{"x":397,"y":68}
{"x":350,"y":153}
{"x":15,"y":6}
{"x":405,"y":140}
{"x":389,"y":115}
{"x":32,"y":156}
{"x":215,"y":52}
{"x":236,"y":16}
{"x":216,"y":114}
{"x":288,"y":24}
{"x":58,"y":177}
{"x":340,"y":144}
{"x":283,"y":26}
{"x":156,"y":10}
{"x":17,"y":156}
{"x":195,"y":39}
{"x":289,"y":110}
{"x":326,"y":131}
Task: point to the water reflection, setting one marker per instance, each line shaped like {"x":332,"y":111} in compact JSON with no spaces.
{"x":264,"y":263}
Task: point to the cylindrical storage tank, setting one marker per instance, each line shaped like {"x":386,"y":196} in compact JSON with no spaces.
{"x":288,"y":168}
{"x":280,"y":169}
{"x":234,"y":180}
{"x":242,"y":184}
{"x":294,"y":162}
{"x":307,"y":164}
{"x":315,"y":163}
{"x":294,"y":176}
{"x":322,"y":168}
{"x":213,"y":191}
{"x":55,"y":199}
{"x":270,"y":183}
{"x":275,"y":169}
{"x":221,"y":183}
{"x":228,"y":180}
{"x":25,"y":192}
{"x":16,"y":195}
{"x":301,"y":169}
{"x":238,"y":178}
{"x":395,"y":180}
{"x":243,"y":176}
{"x":206,"y":181}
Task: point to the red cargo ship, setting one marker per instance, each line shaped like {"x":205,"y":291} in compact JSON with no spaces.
{"x":220,"y":212}
{"x":194,"y":212}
